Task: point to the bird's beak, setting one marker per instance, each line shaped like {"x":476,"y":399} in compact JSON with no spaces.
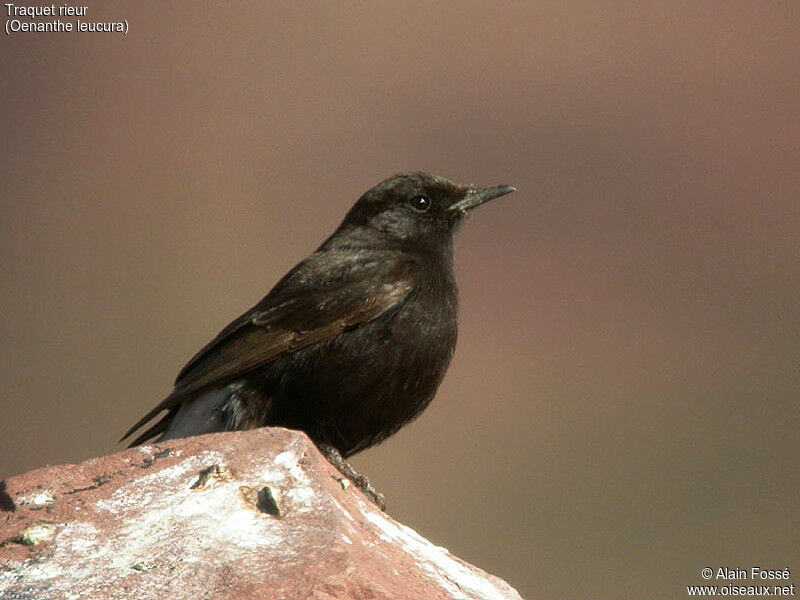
{"x":476,"y":197}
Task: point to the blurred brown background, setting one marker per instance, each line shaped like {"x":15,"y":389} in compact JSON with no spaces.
{"x":622,"y":409}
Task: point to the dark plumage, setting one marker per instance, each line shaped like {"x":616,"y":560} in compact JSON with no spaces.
{"x":352,"y":343}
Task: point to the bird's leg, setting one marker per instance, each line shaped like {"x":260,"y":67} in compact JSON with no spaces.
{"x":345,"y":468}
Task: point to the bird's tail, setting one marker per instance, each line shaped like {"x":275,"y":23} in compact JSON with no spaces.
{"x":185,"y":417}
{"x":170,"y":404}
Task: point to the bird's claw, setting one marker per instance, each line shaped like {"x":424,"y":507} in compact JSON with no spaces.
{"x":345,"y":468}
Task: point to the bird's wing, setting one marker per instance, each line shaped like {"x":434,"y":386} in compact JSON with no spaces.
{"x":295,"y":317}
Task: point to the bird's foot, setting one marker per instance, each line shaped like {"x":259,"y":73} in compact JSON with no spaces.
{"x":345,"y":468}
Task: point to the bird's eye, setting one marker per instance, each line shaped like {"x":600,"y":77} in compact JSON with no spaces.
{"x":420,"y":203}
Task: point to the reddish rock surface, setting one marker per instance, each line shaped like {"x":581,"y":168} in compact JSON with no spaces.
{"x":258,"y":514}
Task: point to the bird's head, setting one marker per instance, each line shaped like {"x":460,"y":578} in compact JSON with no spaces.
{"x":416,"y":208}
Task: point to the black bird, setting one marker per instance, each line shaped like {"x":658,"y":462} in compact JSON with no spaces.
{"x":352,"y":343}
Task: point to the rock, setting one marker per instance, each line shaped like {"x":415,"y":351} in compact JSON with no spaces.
{"x":240,"y":515}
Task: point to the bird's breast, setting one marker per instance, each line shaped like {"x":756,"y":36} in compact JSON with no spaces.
{"x":361,"y":386}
